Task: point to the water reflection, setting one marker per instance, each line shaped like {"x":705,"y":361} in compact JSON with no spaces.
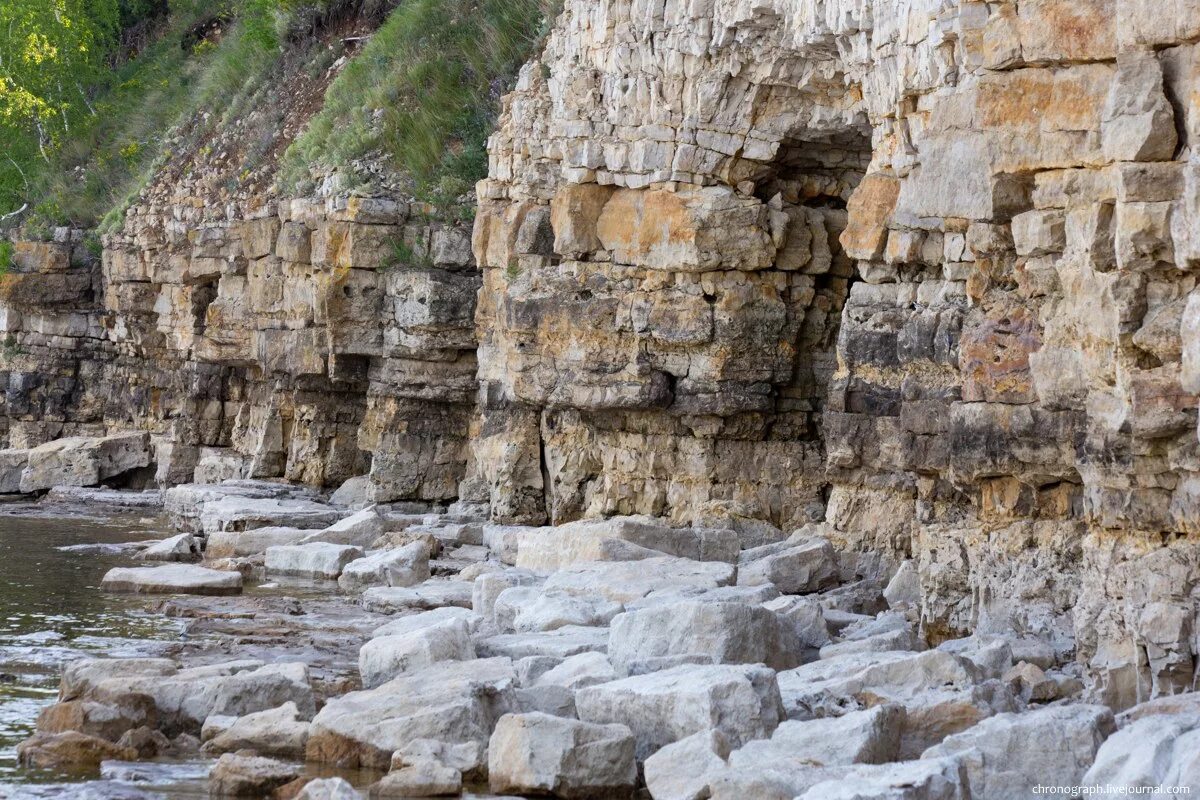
{"x":51,"y":612}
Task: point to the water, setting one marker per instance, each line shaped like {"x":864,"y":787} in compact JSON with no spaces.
{"x":52,"y":612}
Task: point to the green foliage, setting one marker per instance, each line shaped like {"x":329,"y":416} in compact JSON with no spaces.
{"x":403,"y":255}
{"x":127,"y":112}
{"x":6,"y":256}
{"x":424,"y":92}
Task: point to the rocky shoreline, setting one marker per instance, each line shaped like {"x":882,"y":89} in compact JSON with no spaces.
{"x":422,"y":651}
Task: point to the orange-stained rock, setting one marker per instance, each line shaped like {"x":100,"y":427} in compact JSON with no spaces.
{"x":868,"y":212}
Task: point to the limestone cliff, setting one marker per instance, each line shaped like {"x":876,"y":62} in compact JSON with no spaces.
{"x":915,"y":271}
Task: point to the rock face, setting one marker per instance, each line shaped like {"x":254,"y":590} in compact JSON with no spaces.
{"x":916,"y":273}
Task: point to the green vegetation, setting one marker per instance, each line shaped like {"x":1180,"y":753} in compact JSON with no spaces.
{"x":424,"y":94}
{"x":98,"y":95}
{"x":72,"y":156}
{"x":6,"y":256}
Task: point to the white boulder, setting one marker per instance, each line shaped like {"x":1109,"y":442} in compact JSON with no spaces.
{"x":172,"y":579}
{"x":663,"y":707}
{"x":541,"y":754}
{"x":313,"y":560}
{"x":404,"y":566}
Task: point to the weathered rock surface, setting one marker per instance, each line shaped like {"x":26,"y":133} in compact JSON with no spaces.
{"x":418,"y":644}
{"x":312,"y":560}
{"x":180,"y":547}
{"x":742,"y":702}
{"x":278,"y":732}
{"x":540,"y":754}
{"x":248,"y":776}
{"x":451,"y":701}
{"x":1150,"y":752}
{"x":720,"y":633}
{"x":1009,"y":754}
{"x":172,"y":579}
{"x":404,"y":566}
{"x":70,"y":751}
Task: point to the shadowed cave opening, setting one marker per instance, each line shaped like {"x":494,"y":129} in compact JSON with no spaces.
{"x":811,"y":180}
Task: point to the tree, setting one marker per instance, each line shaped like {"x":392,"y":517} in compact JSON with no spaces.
{"x":51,"y":52}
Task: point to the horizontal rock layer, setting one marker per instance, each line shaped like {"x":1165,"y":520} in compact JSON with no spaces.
{"x":919,"y":272}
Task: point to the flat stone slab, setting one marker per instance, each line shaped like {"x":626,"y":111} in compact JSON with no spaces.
{"x":422,"y":597}
{"x":172,"y":579}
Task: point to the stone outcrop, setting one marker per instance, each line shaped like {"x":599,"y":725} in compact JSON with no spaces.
{"x":913,"y":279}
{"x":920,"y":272}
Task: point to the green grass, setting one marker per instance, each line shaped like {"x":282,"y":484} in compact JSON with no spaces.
{"x":424,"y":94}
{"x":6,"y":256}
{"x":140,"y":118}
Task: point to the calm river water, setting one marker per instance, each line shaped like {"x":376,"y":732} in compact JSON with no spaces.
{"x":51,"y":612}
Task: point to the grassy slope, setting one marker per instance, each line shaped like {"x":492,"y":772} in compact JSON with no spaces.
{"x":107,"y":159}
{"x":422,"y":95}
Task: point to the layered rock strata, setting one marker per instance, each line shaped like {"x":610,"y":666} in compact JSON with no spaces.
{"x":918,"y":270}
{"x":918,"y":273}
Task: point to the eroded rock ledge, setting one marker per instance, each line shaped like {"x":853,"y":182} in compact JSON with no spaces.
{"x":916,"y":273}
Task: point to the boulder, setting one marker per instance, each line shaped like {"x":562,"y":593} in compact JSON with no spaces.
{"x":1151,"y":751}
{"x":182,"y":547}
{"x":682,"y":770}
{"x":84,"y":675}
{"x":453,"y":701}
{"x":889,"y":631}
{"x":184,"y":699}
{"x":810,"y":566}
{"x":626,"y":581}
{"x":871,"y":736}
{"x":541,"y":754}
{"x":434,"y":593}
{"x":991,"y":655}
{"x":1008,"y":755}
{"x":146,"y":742}
{"x":490,"y":585}
{"x":109,"y":721}
{"x":313,"y":560}
{"x":662,"y":707}
{"x":404,"y":566}
{"x":172,"y":579}
{"x":328,"y":789}
{"x":239,"y":513}
{"x":185,"y":503}
{"x":577,"y":671}
{"x":276,"y":732}
{"x":423,"y":644}
{"x":83,"y":461}
{"x":719,"y":633}
{"x":805,"y":615}
{"x":70,"y":751}
{"x":469,"y":759}
{"x":904,"y":589}
{"x":529,"y":609}
{"x":942,"y":693}
{"x":419,"y":779}
{"x":353,"y":493}
{"x":235,"y":544}
{"x":422,"y":619}
{"x":12,"y":465}
{"x":359,"y":529}
{"x":249,"y":776}
{"x":941,"y":779}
